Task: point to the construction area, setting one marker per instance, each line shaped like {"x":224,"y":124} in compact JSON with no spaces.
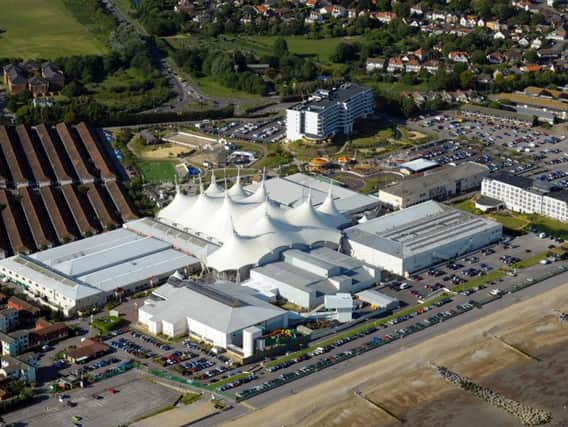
{"x":57,"y":184}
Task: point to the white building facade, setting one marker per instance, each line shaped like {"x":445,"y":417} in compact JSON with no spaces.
{"x":328,"y":112}
{"x":519,"y":195}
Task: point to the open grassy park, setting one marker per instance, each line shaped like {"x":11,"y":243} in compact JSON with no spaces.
{"x":322,"y":49}
{"x":43,"y":29}
{"x":157,"y":171}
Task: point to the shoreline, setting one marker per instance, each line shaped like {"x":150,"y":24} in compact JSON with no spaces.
{"x":312,"y":406}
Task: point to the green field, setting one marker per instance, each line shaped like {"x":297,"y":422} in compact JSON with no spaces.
{"x":213,"y":88}
{"x":43,"y":29}
{"x":156,"y":172}
{"x":262,"y":45}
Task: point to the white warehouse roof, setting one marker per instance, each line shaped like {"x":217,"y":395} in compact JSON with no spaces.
{"x":102,"y":263}
{"x":224,"y":307}
{"x":419,"y":228}
{"x":376,"y":298}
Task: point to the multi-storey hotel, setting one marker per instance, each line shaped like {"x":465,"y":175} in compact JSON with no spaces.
{"x":327,"y":112}
{"x":520,"y":194}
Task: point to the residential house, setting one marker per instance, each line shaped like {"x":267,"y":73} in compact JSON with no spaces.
{"x":15,"y":342}
{"x":416,"y":10}
{"x":46,"y":332}
{"x":18,"y":368}
{"x":533,"y":68}
{"x":385,"y":17}
{"x":375,"y":64}
{"x":495,"y":58}
{"x":15,"y":79}
{"x":468,"y":21}
{"x":458,"y":56}
{"x":493,"y":25}
{"x":395,"y":65}
{"x":38,"y":86}
{"x":432,"y":66}
{"x":25,"y":308}
{"x":560,"y":34}
{"x":536,"y":44}
{"x":88,"y":349}
{"x":499,"y":35}
{"x":314,"y":18}
{"x":420,"y":54}
{"x":8,"y":319}
{"x":312,"y":3}
{"x":413,"y":66}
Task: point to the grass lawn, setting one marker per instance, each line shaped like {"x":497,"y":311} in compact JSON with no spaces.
{"x":549,"y":226}
{"x":274,"y":157}
{"x":529,"y":262}
{"x":371,"y":184}
{"x":519,"y":222}
{"x":155,"y":171}
{"x":109,"y":323}
{"x":322,"y":49}
{"x":212,"y":87}
{"x":190,"y":398}
{"x":43,"y":29}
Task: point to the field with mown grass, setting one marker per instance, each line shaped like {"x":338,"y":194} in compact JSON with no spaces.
{"x":43,"y":29}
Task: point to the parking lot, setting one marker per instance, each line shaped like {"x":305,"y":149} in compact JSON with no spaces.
{"x":255,"y":131}
{"x":94,"y":406}
{"x":499,"y":144}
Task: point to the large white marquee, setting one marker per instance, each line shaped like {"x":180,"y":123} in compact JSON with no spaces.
{"x":249,"y":226}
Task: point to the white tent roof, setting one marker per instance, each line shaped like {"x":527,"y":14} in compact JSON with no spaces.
{"x":250,"y":227}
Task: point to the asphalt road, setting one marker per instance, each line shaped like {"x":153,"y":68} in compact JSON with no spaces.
{"x":385,"y":350}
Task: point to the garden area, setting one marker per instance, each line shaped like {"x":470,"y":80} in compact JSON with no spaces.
{"x":156,"y":172}
{"x":109,"y":323}
{"x":518,"y":222}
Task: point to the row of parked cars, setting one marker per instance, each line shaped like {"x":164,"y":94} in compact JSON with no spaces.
{"x":131,"y":348}
{"x":326,"y":361}
{"x":192,"y":366}
{"x":175,"y":357}
{"x":150,"y":340}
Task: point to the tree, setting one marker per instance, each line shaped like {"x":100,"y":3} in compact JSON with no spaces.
{"x":467,"y":79}
{"x":408,"y":107}
{"x":280,"y":47}
{"x":531,"y":56}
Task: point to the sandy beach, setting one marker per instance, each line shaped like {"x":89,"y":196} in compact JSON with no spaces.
{"x":519,"y":351}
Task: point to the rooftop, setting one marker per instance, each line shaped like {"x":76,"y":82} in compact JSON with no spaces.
{"x":514,"y":180}
{"x":225,"y":307}
{"x":442,"y":176}
{"x":312,"y":271}
{"x":103,"y":262}
{"x":417,"y":229}
{"x":322,"y":99}
{"x":293,"y":190}
{"x":418,"y":165}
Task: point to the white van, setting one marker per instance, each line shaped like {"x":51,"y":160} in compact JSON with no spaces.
{"x":403,"y":286}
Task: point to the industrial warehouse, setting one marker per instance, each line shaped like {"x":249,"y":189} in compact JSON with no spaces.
{"x":66,"y":183}
{"x":83,"y":274}
{"x":218,"y":313}
{"x":440,"y":184}
{"x":305,"y":278}
{"x":418,"y":237}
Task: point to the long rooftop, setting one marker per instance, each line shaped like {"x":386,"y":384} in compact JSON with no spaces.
{"x":418,"y":229}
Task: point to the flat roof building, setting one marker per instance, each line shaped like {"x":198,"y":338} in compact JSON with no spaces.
{"x":524,"y":195}
{"x":418,"y":165}
{"x":79,"y":275}
{"x":216,"y":313}
{"x":418,"y":237}
{"x":440,"y":184}
{"x":293,"y":190}
{"x":304,"y":278}
{"x":327,"y":112}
